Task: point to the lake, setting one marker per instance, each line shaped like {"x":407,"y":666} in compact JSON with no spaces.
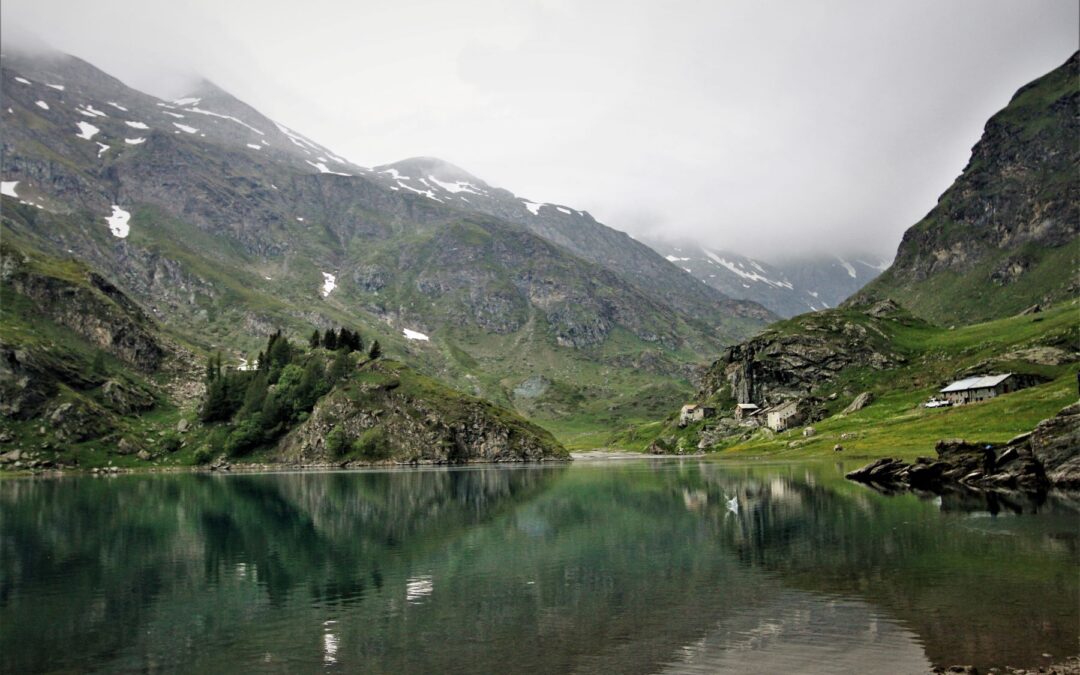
{"x":632,"y":566}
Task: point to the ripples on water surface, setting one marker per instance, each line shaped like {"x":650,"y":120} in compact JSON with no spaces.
{"x":651,"y":566}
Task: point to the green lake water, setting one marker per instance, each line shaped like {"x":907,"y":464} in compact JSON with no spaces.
{"x":632,"y":566}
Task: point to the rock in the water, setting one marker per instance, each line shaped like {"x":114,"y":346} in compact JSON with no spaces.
{"x":1055,"y":443}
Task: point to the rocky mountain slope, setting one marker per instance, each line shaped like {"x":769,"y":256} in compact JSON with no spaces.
{"x":88,"y":380}
{"x":572,"y":229}
{"x":788,"y":287}
{"x":1004,"y":235}
{"x":226,"y":225}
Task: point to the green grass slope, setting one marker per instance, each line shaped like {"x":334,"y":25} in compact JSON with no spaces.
{"x":896,"y":423}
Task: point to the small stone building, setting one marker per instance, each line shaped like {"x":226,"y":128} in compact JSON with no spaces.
{"x":983,"y":387}
{"x":745,"y":410}
{"x":784,"y":416}
{"x":692,"y":412}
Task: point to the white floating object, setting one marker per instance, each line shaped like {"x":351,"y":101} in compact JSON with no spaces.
{"x":329,"y":283}
{"x":86,"y":130}
{"x":7,"y":188}
{"x":414,"y":335}
{"x":118,"y":222}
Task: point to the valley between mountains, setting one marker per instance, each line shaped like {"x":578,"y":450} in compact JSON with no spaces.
{"x":190,"y":282}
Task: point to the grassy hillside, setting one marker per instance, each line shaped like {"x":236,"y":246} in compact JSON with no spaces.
{"x":896,"y":424}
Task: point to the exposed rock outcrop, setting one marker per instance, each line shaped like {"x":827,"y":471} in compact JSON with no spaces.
{"x":778,"y":365}
{"x":1005,"y":222}
{"x":861,"y":401}
{"x":398,"y":416}
{"x":1055,"y":443}
{"x":91,"y":306}
{"x":1048,"y":456}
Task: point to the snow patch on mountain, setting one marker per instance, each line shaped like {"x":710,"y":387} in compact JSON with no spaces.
{"x":325,"y":169}
{"x":7,"y":188}
{"x":86,"y":130}
{"x":457,"y":186}
{"x":23,"y":80}
{"x":849,"y":268}
{"x":42,"y":104}
{"x":329,"y":283}
{"x":118,"y":222}
{"x":136,"y":125}
{"x":117,"y":106}
{"x":427,"y":193}
{"x":414,"y":335}
{"x":57,"y":87}
{"x":134,"y":141}
{"x":533,"y":207}
{"x":185,"y":128}
{"x":738,"y":269}
{"x":224,"y":117}
{"x":90,"y":110}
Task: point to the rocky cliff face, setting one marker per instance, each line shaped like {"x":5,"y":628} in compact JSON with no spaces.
{"x":86,"y":303}
{"x":801,"y":359}
{"x":1002,"y":237}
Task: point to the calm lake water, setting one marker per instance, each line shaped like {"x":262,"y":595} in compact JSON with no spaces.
{"x":635,"y":566}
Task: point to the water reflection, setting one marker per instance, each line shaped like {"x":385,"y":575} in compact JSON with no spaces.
{"x":674,"y":566}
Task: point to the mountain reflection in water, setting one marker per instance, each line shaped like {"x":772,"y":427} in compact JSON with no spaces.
{"x":635,"y":567}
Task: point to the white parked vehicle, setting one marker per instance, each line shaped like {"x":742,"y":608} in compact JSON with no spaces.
{"x":937,"y":403}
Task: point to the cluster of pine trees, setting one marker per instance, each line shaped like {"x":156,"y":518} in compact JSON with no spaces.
{"x":264,"y":403}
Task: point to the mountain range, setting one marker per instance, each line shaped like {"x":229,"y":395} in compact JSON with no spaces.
{"x":788,"y":287}
{"x":225,"y":225}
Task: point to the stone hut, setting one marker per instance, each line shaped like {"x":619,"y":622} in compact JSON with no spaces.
{"x":693,"y":412}
{"x":784,"y":416}
{"x":745,"y":410}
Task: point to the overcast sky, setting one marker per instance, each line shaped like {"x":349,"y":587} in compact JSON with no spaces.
{"x":762,"y":127}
